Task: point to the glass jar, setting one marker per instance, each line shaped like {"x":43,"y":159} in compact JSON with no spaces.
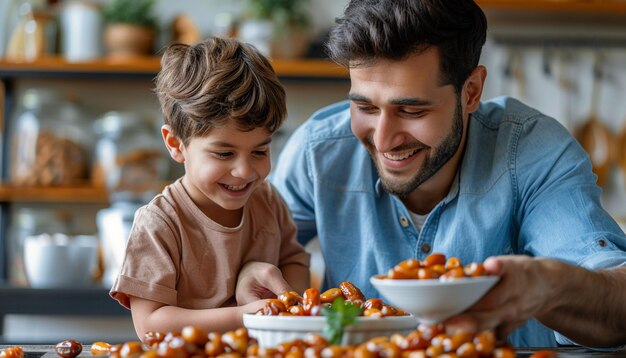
{"x":129,"y":156}
{"x":50,"y":141}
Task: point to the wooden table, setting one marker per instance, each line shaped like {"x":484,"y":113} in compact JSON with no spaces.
{"x":47,"y":351}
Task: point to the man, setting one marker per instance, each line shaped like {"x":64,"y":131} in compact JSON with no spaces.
{"x":413,"y":164}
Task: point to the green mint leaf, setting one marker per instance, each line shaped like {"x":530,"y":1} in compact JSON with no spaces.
{"x":338,"y":316}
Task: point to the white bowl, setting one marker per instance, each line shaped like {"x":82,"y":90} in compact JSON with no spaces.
{"x":273,"y":330}
{"x":432,"y":301}
{"x":59,"y":261}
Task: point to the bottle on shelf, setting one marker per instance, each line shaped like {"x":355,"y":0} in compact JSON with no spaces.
{"x":33,"y":28}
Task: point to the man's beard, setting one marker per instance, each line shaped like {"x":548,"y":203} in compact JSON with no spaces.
{"x":432,"y":163}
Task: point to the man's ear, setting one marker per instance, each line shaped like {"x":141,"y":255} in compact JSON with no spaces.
{"x":473,"y":88}
{"x":174,"y":145}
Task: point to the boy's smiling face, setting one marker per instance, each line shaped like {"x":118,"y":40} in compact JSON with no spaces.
{"x":223,"y":168}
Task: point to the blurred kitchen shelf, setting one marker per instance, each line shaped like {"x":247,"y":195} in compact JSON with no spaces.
{"x":563,"y":6}
{"x":73,"y":194}
{"x":59,"y":301}
{"x":58,"y":194}
{"x":148,"y":67}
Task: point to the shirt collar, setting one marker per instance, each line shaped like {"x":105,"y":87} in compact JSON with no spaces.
{"x":379,"y":187}
{"x":454,"y":189}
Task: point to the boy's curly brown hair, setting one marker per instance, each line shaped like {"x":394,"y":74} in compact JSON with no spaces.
{"x":204,"y":86}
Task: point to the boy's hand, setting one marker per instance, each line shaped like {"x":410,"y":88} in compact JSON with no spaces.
{"x":259,"y":280}
{"x":252,"y":307}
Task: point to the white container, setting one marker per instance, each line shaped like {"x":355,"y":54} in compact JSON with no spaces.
{"x":81,"y":25}
{"x":270,"y":331}
{"x":60,"y":261}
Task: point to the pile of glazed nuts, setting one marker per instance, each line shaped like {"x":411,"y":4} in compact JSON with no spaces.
{"x":425,"y":342}
{"x":311,"y":303}
{"x":434,"y":266}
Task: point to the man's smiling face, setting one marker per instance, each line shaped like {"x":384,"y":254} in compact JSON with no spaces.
{"x":409,"y":122}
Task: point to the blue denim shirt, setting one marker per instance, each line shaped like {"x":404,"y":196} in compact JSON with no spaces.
{"x":525,"y":186}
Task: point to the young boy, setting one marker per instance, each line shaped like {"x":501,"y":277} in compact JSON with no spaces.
{"x":221,"y":102}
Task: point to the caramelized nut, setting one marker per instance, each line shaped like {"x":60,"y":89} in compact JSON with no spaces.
{"x":152,"y":339}
{"x":310,"y":299}
{"x":396,"y":274}
{"x":100,"y":348}
{"x":435,"y":259}
{"x":214,"y":346}
{"x":194,"y":335}
{"x":475,"y":269}
{"x":296,"y":310}
{"x":68,"y":348}
{"x":236,"y":340}
{"x":453,"y":262}
{"x":427,"y":274}
{"x":131,"y":349}
{"x":351,"y":292}
{"x":290,"y":298}
{"x":330,"y":295}
{"x":503,"y":352}
{"x":372,"y":312}
{"x":273,"y":307}
{"x":485,"y":343}
{"x":454,"y":273}
{"x":373,"y":303}
{"x":12,"y":352}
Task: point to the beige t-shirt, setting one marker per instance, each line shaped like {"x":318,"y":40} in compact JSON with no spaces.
{"x":176,"y":255}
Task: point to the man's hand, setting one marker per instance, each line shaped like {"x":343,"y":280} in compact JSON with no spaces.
{"x":523,"y":292}
{"x":583,"y":305}
{"x":259,"y":280}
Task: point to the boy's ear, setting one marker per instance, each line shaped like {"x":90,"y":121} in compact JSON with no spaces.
{"x":174,"y":145}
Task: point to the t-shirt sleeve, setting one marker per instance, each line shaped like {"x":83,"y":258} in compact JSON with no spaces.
{"x":291,"y":251}
{"x":151,"y":263}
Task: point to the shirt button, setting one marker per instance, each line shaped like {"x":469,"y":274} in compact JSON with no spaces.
{"x":404,"y":221}
{"x":425,"y":248}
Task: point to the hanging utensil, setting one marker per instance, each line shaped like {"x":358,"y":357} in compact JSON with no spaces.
{"x":513,"y":78}
{"x":518,"y":75}
{"x":594,"y":136}
{"x":620,"y":154}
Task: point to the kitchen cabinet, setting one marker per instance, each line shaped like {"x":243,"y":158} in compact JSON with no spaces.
{"x":89,"y":301}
